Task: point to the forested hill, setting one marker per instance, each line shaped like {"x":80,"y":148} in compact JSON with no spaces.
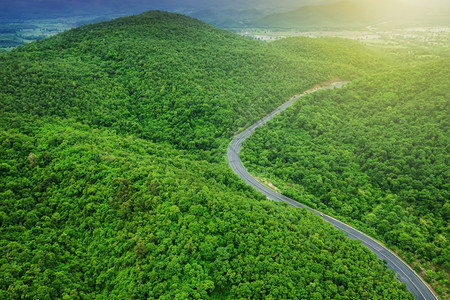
{"x":113,"y":178}
{"x":163,"y":77}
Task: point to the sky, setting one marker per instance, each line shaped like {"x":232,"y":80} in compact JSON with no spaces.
{"x":42,"y":8}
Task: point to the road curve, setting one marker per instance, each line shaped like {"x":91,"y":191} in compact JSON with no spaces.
{"x":405,"y":274}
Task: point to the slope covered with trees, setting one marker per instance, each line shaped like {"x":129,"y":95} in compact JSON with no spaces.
{"x":113,"y":180}
{"x":376,"y":154}
{"x":88,"y":213}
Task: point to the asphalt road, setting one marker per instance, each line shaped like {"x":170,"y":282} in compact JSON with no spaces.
{"x":405,"y":274}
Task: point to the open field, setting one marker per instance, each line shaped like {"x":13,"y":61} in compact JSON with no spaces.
{"x":422,"y":42}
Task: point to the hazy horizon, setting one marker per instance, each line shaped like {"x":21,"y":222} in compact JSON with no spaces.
{"x":39,"y":8}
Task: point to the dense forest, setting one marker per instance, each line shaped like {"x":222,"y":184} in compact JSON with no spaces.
{"x":88,"y":213}
{"x":114,"y":182}
{"x":375,"y":154}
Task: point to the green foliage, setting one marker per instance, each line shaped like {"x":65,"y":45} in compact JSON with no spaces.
{"x":375,"y":153}
{"x":113,"y":180}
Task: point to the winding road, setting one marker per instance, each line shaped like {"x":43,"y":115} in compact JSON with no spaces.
{"x":405,"y":274}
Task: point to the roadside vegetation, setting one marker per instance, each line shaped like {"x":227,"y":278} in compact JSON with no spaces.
{"x":375,"y":154}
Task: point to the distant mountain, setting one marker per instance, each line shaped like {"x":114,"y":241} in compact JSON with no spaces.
{"x":43,"y":9}
{"x":355,"y":14}
{"x":230,"y":18}
{"x":24,"y":9}
{"x":342,"y":13}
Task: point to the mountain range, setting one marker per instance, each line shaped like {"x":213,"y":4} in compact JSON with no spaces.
{"x":237,"y":14}
{"x":349,"y":13}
